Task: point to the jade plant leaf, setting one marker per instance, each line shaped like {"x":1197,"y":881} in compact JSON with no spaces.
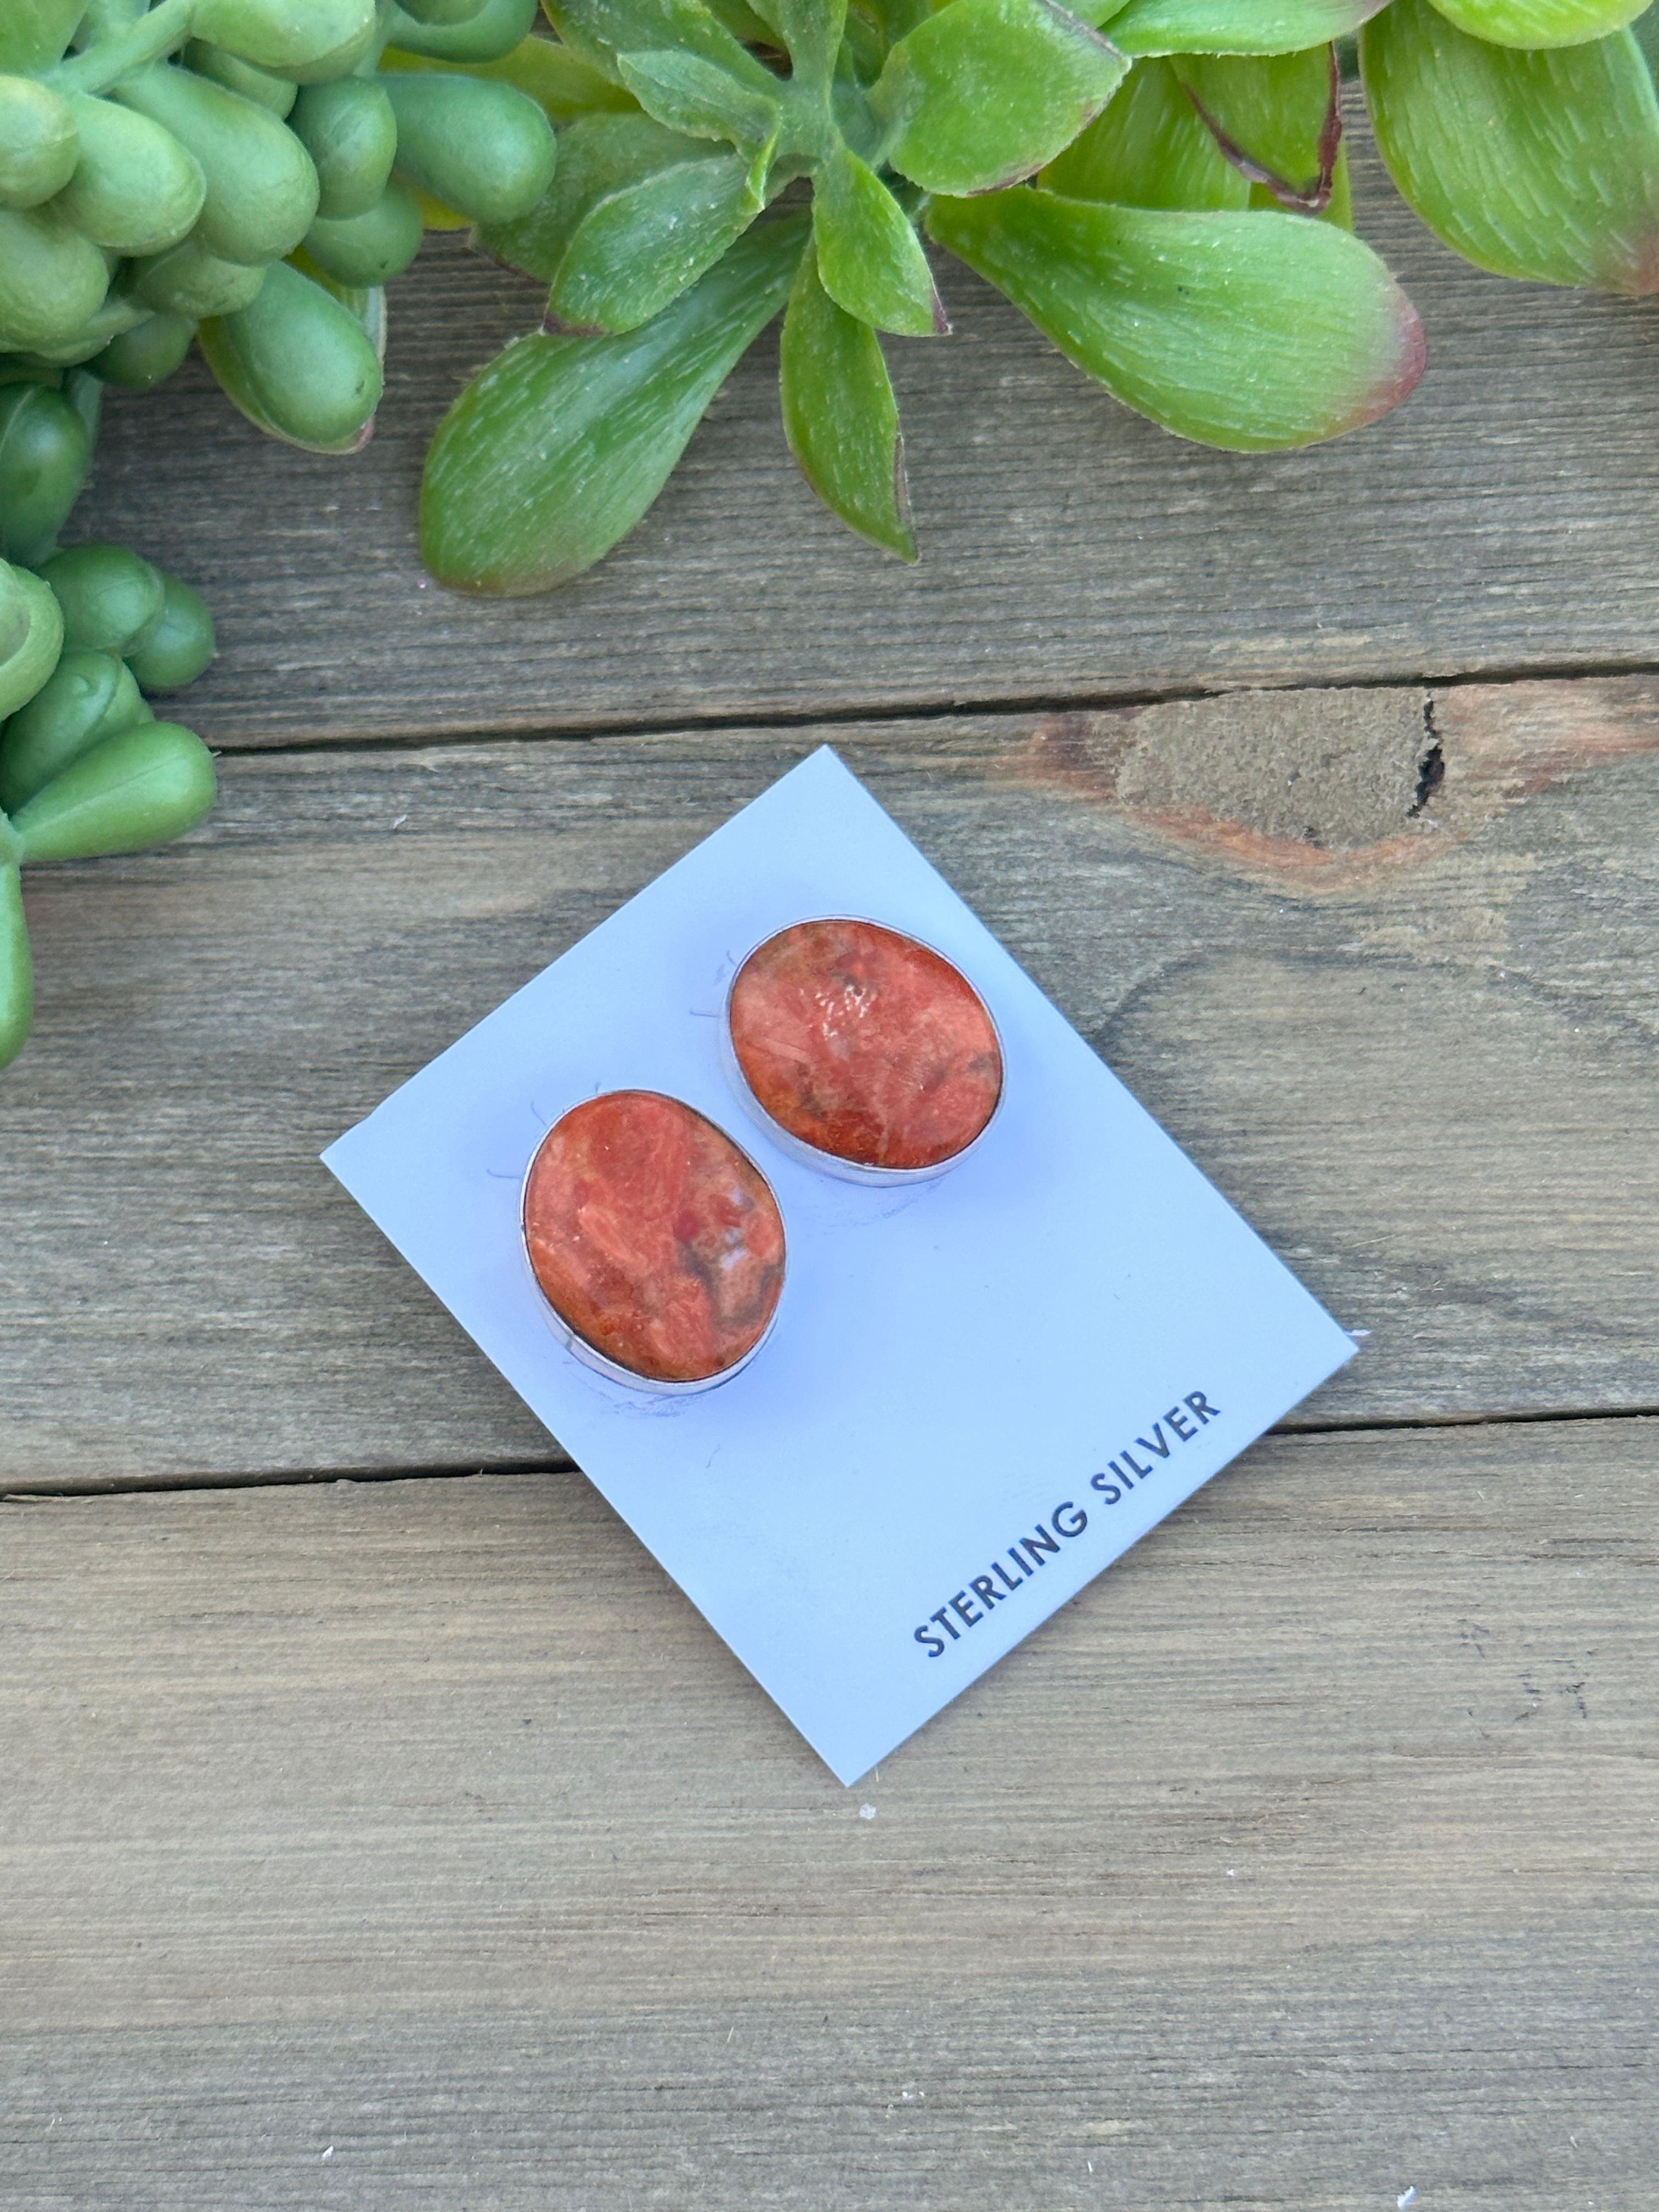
{"x":869,"y":258}
{"x":986,"y":91}
{"x":601,"y":31}
{"x":1277,"y":117}
{"x":598,"y":154}
{"x":555,"y":450}
{"x":643,"y":247}
{"x":1250,"y":331}
{"x":841,"y":417}
{"x":1539,"y":22}
{"x":811,"y":29}
{"x":1235,"y":27}
{"x":687,"y":94}
{"x":1149,"y":148}
{"x":1539,"y":165}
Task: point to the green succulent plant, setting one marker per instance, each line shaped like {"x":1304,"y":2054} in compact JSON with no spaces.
{"x":85,"y":767}
{"x":251,"y":173}
{"x":762,"y":155}
{"x":1161,"y":185}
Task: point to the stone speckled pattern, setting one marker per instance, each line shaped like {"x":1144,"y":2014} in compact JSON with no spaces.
{"x":866,"y":1044}
{"x":653,"y":1238}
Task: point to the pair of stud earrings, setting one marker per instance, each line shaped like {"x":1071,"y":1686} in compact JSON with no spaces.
{"x":655,"y":1239}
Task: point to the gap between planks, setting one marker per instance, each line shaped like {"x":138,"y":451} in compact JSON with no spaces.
{"x":23,"y":1492}
{"x":1104,"y":700}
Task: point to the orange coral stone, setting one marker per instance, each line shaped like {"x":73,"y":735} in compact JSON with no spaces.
{"x":864,"y":1044}
{"x":653,"y":1238}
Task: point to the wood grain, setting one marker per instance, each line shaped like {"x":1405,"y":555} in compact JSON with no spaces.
{"x":1503,"y":520}
{"x":1422,"y":1063}
{"x":1306,"y":1857}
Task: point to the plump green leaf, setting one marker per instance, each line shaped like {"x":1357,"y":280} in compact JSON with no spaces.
{"x":296,"y":36}
{"x":474,"y":143}
{"x":148,"y":784}
{"x":299,"y":362}
{"x":33,"y":33}
{"x":1235,"y":27}
{"x":88,"y":697}
{"x":1251,"y":331}
{"x":685,"y":93}
{"x":17,"y":967}
{"x":1535,"y":165}
{"x":39,"y":146}
{"x":366,"y":249}
{"x":34,"y":655}
{"x":1539,"y":22}
{"x":45,"y":451}
{"x":986,"y":91}
{"x":261,"y":185}
{"x":52,"y":280}
{"x":560,"y":446}
{"x":643,"y":247}
{"x":16,"y":609}
{"x":841,"y":417}
{"x":1277,"y":117}
{"x":1149,"y":149}
{"x":869,"y":258}
{"x":493,"y":30}
{"x":598,"y":154}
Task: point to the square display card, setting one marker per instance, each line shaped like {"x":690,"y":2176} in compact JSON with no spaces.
{"x":979,"y":1391}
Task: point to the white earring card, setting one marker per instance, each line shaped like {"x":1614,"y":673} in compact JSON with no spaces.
{"x":978,"y":1391}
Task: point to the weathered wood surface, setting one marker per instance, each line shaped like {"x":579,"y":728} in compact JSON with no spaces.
{"x":1502,"y":521}
{"x":1418,"y":1055}
{"x":1305,"y":1858}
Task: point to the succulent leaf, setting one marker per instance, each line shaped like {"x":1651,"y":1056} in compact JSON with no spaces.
{"x":601,"y":31}
{"x":869,"y":258}
{"x":1277,"y":117}
{"x":841,"y":417}
{"x":299,"y":362}
{"x":1250,"y":332}
{"x":473,"y":143}
{"x":811,"y":29}
{"x":643,"y":247}
{"x":34,"y":653}
{"x":490,"y":33}
{"x":144,"y":785}
{"x":1539,"y":165}
{"x":598,"y":154}
{"x":16,"y":966}
{"x":1539,"y":22}
{"x":556,"y":449}
{"x":685,"y":93}
{"x":1235,"y":27}
{"x":1149,"y":148}
{"x":986,"y":91}
{"x":33,"y":33}
{"x":38,"y":143}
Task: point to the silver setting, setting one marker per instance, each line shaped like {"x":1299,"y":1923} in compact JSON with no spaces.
{"x":831,"y":1163}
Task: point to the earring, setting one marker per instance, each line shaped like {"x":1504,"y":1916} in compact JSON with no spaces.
{"x":862,"y":1051}
{"x":656,"y":1242}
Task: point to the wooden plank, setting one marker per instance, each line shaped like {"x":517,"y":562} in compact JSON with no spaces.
{"x":1306,"y":1858}
{"x":1417,"y":1053}
{"x":1503,"y":521}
